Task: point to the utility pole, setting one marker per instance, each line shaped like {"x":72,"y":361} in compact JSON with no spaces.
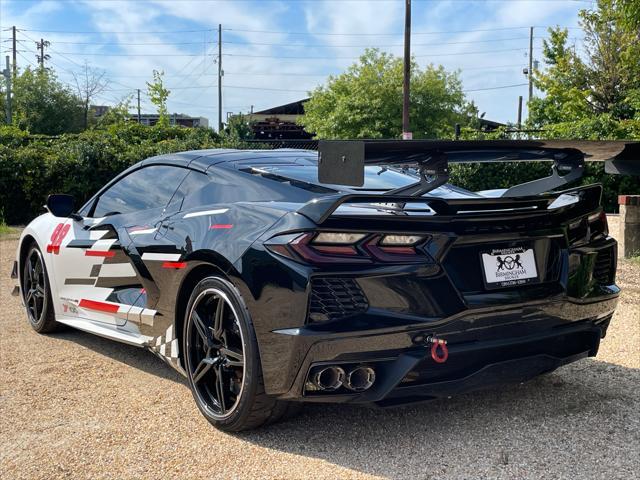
{"x":406,"y":134}
{"x":530,"y":63}
{"x":220,"y":74}
{"x":41,"y":45}
{"x":15,"y":51}
{"x":139,"y":116}
{"x":519,"y":123}
{"x":7,"y":76}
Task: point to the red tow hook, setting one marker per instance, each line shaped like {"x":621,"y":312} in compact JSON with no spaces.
{"x":439,"y":350}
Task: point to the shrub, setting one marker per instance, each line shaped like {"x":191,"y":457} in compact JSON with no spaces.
{"x":32,"y":167}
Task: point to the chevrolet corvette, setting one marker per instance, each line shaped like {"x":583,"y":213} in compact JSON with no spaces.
{"x":357,"y":273}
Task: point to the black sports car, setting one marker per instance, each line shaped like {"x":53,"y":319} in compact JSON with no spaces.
{"x":379,"y":283}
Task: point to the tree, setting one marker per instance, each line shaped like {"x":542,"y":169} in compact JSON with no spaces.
{"x":631,"y":15}
{"x":41,"y":104}
{"x":118,"y":114}
{"x":366,"y":101}
{"x":238,"y":128}
{"x":158,"y":95}
{"x":605,"y":79}
{"x":89,"y":83}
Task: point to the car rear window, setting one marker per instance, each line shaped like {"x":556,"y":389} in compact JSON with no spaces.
{"x":375,"y":178}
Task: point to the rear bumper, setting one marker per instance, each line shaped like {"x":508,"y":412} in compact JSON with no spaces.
{"x":406,"y":373}
{"x":495,"y":374}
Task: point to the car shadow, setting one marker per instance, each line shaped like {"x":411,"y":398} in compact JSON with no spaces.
{"x":572,"y":420}
{"x":130,"y":355}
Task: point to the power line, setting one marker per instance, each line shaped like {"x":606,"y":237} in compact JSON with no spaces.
{"x":301,"y":74}
{"x":244,"y":87}
{"x":136,"y":43}
{"x":196,"y":66}
{"x":372,"y":45}
{"x":377,"y":34}
{"x":93,"y":32}
{"x":103,"y":54}
{"x":25,"y":58}
{"x":355,"y":58}
{"x":241,"y":87}
{"x":285,"y":32}
{"x":495,"y":88}
{"x":55,"y":51}
{"x":291,"y":45}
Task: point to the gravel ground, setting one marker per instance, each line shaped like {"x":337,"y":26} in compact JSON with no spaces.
{"x":77,"y":406}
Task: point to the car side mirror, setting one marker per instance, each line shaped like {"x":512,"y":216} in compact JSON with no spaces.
{"x":60,"y":205}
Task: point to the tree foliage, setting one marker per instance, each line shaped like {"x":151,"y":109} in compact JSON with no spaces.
{"x":238,"y":128}
{"x":604,"y":79}
{"x":42,"y":104}
{"x":89,"y":83}
{"x":366,"y":101}
{"x":117,"y":114}
{"x":158,"y":95}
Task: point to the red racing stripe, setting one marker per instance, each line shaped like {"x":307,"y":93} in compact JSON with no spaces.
{"x":220,"y":225}
{"x":174,"y":264}
{"x":99,"y":253}
{"x":100,"y":306}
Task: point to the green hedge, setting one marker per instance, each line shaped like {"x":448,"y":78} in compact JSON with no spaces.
{"x":31,"y":167}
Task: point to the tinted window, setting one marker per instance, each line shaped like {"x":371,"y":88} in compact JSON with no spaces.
{"x":375,"y":178}
{"x":149,"y":187}
{"x":183,"y":198}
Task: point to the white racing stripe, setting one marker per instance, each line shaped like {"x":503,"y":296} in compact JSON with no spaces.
{"x":206,"y":212}
{"x":117,"y":270}
{"x":103,"y":245}
{"x":97,"y":234}
{"x":161,"y":257}
{"x":142,"y":232}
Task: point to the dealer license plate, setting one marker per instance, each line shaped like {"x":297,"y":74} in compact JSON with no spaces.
{"x":506,"y":267}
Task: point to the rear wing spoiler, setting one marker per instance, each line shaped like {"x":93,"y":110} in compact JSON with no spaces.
{"x":342,"y":162}
{"x":586,"y":199}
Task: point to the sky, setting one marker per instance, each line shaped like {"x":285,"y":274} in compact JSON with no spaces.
{"x":276,"y":51}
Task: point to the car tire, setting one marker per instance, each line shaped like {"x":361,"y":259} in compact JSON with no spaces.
{"x":222,"y":361}
{"x":36,"y":293}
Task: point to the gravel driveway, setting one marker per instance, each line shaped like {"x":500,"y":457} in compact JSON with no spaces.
{"x":76,"y":406}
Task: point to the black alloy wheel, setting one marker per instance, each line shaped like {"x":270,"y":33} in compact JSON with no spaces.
{"x":35,"y":293}
{"x":215,"y":349}
{"x":221,"y":359}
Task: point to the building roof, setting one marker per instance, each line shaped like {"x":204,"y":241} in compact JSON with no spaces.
{"x":293,"y":108}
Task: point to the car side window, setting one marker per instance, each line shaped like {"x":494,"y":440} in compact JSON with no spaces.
{"x":144,"y":189}
{"x":182,"y":198}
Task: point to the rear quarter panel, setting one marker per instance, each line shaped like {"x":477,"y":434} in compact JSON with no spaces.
{"x":40,"y":230}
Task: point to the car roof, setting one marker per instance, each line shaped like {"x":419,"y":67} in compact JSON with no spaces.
{"x":203,"y":159}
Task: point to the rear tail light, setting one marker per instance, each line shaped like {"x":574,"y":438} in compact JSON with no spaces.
{"x":338,"y":238}
{"x":331,"y":248}
{"x":340,"y":247}
{"x":584,"y":229}
{"x":401,"y":239}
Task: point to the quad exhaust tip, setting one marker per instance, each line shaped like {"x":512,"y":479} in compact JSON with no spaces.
{"x":328,"y":378}
{"x":332,"y":377}
{"x":360,"y":379}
